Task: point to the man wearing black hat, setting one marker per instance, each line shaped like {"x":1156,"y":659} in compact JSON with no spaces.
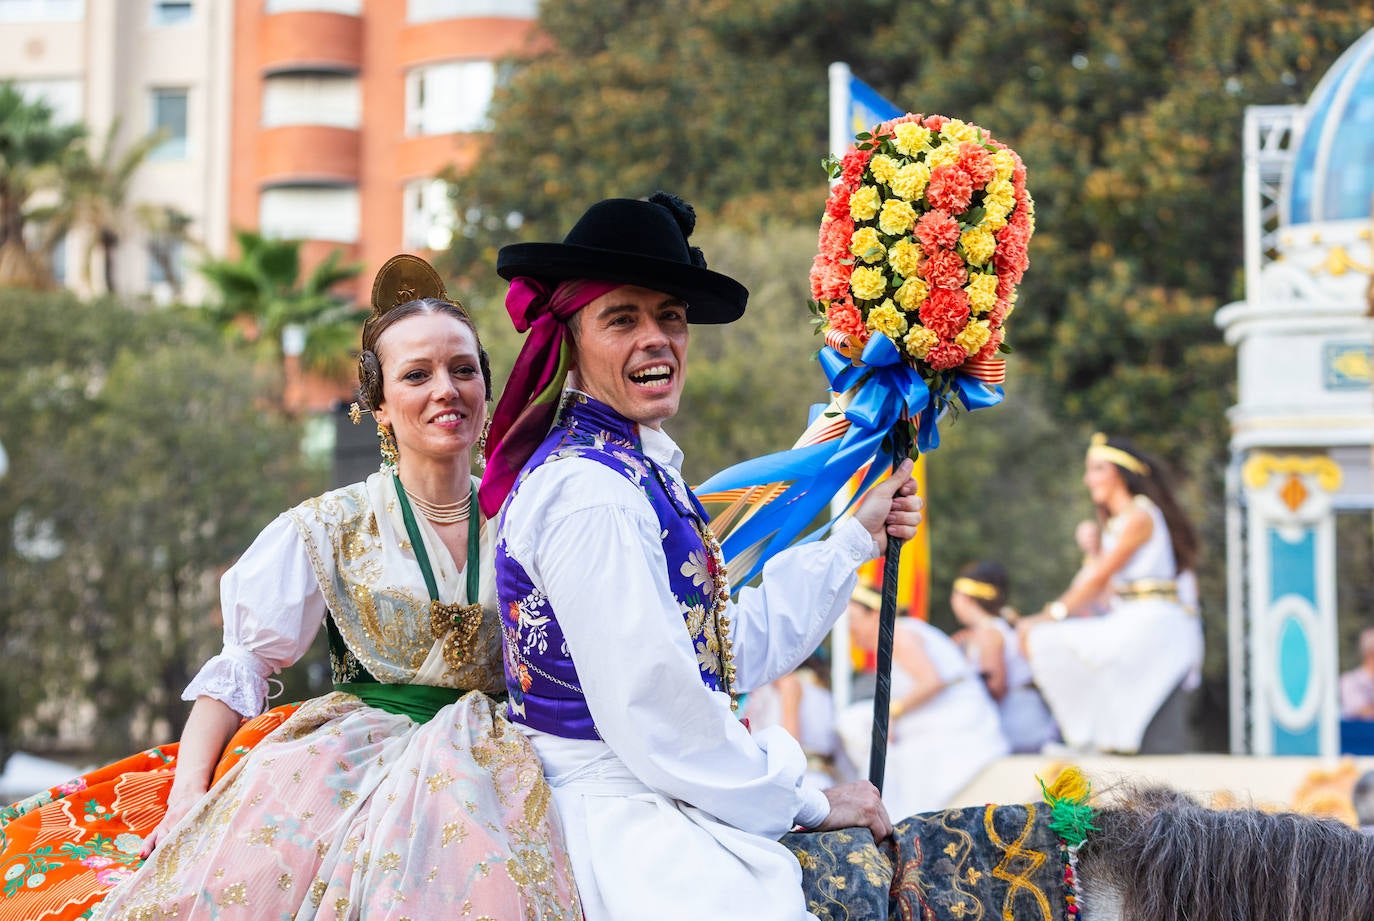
{"x":623,"y":649}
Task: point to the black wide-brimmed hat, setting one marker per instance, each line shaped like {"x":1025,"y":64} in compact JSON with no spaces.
{"x":634,"y":242}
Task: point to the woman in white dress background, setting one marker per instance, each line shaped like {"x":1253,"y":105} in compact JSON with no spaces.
{"x":944,"y":726}
{"x":1105,"y":677}
{"x":979,"y":602}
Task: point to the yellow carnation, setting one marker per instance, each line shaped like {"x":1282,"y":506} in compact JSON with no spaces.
{"x":912,"y":293}
{"x":974,"y":336}
{"x":943,"y":155}
{"x":982,"y":293}
{"x":883,"y":168}
{"x":905,"y":258}
{"x":1001,"y":194}
{"x":868,"y":284}
{"x":919,"y":341}
{"x":898,"y":217}
{"x":912,"y":138}
{"x":1005,"y":164}
{"x":956,"y":131}
{"x":864,"y":203}
{"x":910,"y":182}
{"x":888,"y":320}
{"x":995,"y":216}
{"x":978,"y":244}
{"x":866,"y":245}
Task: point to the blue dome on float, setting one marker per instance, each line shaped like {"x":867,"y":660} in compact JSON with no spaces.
{"x":1332,"y":176}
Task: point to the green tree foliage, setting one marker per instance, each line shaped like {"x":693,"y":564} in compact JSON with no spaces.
{"x":30,"y":143}
{"x":144,"y":458}
{"x":261,"y":293}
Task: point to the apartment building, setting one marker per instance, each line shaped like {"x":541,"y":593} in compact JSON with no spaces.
{"x":152,"y":66}
{"x":345,"y":111}
{"x":324,"y":120}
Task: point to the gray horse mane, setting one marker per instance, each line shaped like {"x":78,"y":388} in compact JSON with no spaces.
{"x":1160,"y":856}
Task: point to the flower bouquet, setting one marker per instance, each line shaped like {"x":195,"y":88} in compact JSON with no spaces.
{"x":923,"y":242}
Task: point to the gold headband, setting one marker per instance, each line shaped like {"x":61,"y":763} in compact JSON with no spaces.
{"x":404,"y":278}
{"x":984,"y":591}
{"x":1099,"y":449}
{"x":867,"y":597}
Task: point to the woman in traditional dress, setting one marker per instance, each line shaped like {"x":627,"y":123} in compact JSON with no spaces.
{"x":1106,"y":676}
{"x":402,"y":794}
{"x":944,"y":726}
{"x":979,"y":602}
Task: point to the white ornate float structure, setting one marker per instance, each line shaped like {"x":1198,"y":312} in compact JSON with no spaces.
{"x":1303,"y":424}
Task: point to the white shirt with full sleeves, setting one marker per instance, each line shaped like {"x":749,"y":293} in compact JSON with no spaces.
{"x":675,"y":812}
{"x":272,"y":608}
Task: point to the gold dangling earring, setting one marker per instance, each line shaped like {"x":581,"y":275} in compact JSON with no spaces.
{"x":481,"y":460}
{"x":390,"y":453}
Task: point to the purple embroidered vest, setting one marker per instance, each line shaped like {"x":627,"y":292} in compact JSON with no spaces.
{"x":542,"y":680}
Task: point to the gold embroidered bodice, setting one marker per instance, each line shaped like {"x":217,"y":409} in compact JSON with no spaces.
{"x":376,"y":594}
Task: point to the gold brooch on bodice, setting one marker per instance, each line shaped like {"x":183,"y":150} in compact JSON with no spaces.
{"x":457,"y":624}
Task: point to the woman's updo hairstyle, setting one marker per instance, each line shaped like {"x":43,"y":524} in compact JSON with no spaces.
{"x":407,"y":286}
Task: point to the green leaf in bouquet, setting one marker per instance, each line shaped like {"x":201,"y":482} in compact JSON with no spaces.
{"x":1005,"y":347}
{"x":863,"y":136}
{"x":973,"y":216}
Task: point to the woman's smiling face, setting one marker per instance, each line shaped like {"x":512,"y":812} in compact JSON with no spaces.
{"x":433,"y":395}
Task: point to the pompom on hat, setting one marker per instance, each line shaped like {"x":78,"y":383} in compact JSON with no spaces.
{"x":634,"y":242}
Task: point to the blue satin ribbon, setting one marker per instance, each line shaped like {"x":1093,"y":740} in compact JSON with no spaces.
{"x":884,"y":391}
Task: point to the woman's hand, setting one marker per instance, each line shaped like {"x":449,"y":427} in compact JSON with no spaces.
{"x":208,"y":729}
{"x":178,"y":804}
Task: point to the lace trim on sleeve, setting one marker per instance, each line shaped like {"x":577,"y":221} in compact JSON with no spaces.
{"x":230,"y":679}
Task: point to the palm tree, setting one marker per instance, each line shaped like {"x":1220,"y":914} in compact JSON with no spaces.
{"x":168,"y":230}
{"x":261,"y":294}
{"x":93,"y":192}
{"x":30,"y":143}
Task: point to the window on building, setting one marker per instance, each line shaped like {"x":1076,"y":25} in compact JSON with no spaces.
{"x":310,"y":213}
{"x":171,"y":12}
{"x":443,"y":98}
{"x":169,"y":119}
{"x":349,"y":7}
{"x":66,"y":97}
{"x":429,"y":10}
{"x":41,"y":10}
{"x":429,"y":218}
{"x":311,"y":99}
{"x":165,"y":263}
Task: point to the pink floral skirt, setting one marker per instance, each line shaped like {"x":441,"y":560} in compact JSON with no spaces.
{"x":348,"y":812}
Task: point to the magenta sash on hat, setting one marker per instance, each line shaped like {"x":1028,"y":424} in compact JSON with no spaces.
{"x":529,"y":400}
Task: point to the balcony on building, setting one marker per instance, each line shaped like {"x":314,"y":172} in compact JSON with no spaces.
{"x":311,"y":35}
{"x":310,"y":129}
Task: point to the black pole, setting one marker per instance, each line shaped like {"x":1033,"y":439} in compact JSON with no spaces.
{"x":887,"y":625}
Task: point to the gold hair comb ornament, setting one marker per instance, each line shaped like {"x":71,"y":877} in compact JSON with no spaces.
{"x":404,"y":278}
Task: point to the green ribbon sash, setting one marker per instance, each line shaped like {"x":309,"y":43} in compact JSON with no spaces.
{"x":418,"y":701}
